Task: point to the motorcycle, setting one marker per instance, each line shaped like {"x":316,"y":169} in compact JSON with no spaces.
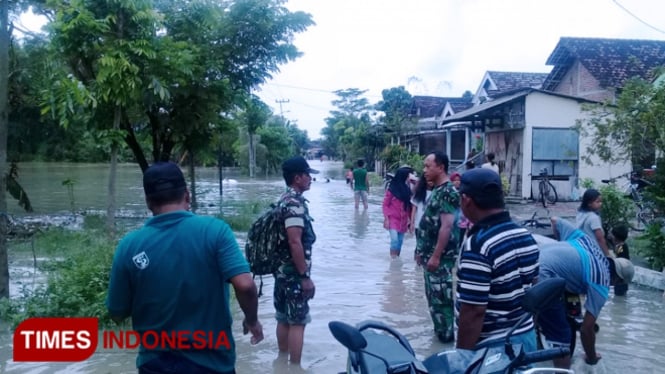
{"x":377,"y":348}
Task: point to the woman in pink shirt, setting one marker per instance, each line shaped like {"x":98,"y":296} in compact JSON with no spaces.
{"x":397,"y":209}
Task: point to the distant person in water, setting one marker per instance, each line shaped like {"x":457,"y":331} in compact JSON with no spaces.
{"x":349,"y":178}
{"x":360,"y":184}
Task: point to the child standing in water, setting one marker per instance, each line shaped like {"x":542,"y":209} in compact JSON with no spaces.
{"x":620,"y":235}
{"x":588,"y":218}
{"x":349,"y":178}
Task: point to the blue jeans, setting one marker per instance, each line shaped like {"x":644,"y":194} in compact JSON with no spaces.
{"x":171,"y":363}
{"x":396,"y":240}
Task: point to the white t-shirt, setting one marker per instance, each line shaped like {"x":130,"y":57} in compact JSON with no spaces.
{"x":488,"y":165}
{"x":420,"y":208}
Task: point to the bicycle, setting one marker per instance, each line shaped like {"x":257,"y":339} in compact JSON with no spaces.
{"x":645,"y":213}
{"x":535,"y":224}
{"x":547,"y":192}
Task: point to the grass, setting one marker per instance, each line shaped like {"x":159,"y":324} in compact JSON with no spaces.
{"x":244,"y":214}
{"x":77,"y":266}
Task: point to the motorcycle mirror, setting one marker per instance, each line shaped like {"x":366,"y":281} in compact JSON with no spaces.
{"x":348,"y":335}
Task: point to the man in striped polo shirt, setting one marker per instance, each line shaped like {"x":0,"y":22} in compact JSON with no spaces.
{"x":497,"y":265}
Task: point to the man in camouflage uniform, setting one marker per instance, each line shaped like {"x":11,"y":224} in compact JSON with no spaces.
{"x":437,"y":244}
{"x":293,"y":286}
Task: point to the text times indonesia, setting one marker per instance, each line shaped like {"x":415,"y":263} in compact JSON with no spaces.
{"x":76,"y":339}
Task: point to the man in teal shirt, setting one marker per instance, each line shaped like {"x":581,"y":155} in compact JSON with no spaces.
{"x":172,"y":277}
{"x":360,"y":184}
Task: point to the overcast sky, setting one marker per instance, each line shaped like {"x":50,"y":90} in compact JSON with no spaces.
{"x":436,"y":47}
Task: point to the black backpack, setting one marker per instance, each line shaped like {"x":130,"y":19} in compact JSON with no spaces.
{"x":267,"y":246}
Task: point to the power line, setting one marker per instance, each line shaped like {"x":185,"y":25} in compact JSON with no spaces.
{"x":312,"y":89}
{"x":637,"y":18}
{"x":301,"y":88}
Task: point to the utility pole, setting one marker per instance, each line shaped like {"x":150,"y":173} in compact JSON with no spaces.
{"x":281,"y":111}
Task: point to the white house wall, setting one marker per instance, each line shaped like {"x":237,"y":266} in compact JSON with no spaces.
{"x":548,"y":111}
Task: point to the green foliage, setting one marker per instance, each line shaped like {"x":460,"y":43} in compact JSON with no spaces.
{"x":94,"y":222}
{"x":77,"y":272}
{"x":396,"y":105}
{"x":277,"y":147}
{"x":617,"y":208}
{"x":375,"y":179}
{"x":505,"y":184}
{"x":173,"y":69}
{"x":650,"y":246}
{"x":478,"y":143}
{"x":395,"y":156}
{"x":651,"y":243}
{"x":587,"y":183}
{"x":244,"y":214}
{"x":349,"y":134}
{"x":632,"y":129}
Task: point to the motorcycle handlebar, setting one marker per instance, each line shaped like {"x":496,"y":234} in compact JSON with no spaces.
{"x":543,"y":355}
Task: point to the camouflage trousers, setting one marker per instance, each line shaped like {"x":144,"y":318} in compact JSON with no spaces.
{"x":439,"y":292}
{"x":291,"y":306}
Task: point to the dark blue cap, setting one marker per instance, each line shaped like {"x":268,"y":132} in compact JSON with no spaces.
{"x":481,"y":183}
{"x":298,"y":164}
{"x":163,"y":177}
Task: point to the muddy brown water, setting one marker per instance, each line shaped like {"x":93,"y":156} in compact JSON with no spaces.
{"x":354,"y":276}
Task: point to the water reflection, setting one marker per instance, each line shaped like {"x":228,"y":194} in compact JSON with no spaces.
{"x":354,"y":276}
{"x":360,"y":223}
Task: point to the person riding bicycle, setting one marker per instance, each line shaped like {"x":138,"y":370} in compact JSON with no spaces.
{"x":578,"y":260}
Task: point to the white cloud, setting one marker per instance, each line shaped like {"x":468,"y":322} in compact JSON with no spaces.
{"x":447,"y":44}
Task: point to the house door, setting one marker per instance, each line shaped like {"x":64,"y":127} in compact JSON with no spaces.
{"x":507,"y":149}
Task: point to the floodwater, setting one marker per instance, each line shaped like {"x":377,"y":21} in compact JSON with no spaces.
{"x":352,"y":270}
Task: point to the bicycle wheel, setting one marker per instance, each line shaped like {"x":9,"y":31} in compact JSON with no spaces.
{"x":543,"y":189}
{"x":552,"y":196}
{"x":643,"y":217}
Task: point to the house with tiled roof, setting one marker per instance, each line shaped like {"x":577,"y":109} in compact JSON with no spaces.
{"x":533,"y":128}
{"x":596,"y":68}
{"x":430,"y":111}
{"x":499,"y":82}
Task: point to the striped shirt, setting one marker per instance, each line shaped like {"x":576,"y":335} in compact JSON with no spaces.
{"x":497,"y":265}
{"x":580,"y":262}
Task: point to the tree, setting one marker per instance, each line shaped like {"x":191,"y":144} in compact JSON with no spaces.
{"x":253,"y":118}
{"x":106,"y":45}
{"x":630,"y":131}
{"x":396,"y":106}
{"x":277,"y":146}
{"x":5,"y":32}
{"x":346,"y":124}
{"x":201,"y":59}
